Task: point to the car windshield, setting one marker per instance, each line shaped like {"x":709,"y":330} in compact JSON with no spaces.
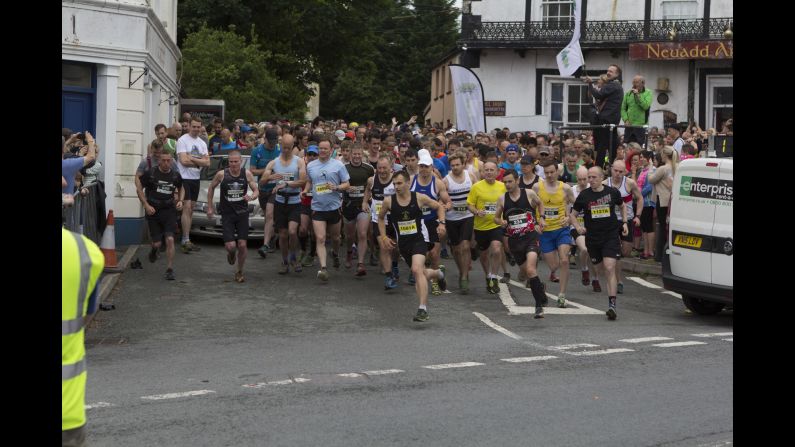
{"x":218,"y":162}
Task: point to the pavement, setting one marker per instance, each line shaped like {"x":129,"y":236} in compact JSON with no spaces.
{"x":289,"y":360}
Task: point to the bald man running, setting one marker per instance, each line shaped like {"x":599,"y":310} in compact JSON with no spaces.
{"x":629,"y":190}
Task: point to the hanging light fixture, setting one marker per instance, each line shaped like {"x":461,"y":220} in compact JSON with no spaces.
{"x":727,"y":33}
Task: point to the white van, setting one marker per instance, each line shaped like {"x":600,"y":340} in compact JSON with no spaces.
{"x":698,"y":262}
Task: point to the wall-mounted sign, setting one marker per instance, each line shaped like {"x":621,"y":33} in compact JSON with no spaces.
{"x":671,"y":51}
{"x":494,"y":108}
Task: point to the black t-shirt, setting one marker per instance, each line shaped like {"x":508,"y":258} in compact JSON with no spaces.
{"x":160,"y":186}
{"x":233,"y":190}
{"x":359,"y":176}
{"x":599,"y":212}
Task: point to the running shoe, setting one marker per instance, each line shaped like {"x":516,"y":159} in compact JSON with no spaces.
{"x":153,"y":255}
{"x":390,"y":283}
{"x":322,"y":274}
{"x":336,"y":258}
{"x":494,"y":286}
{"x":362,"y":270}
{"x":308,"y":261}
{"x":506,"y":278}
{"x":263,"y":251}
{"x":349,"y":260}
{"x":611,"y":313}
{"x":285,"y":268}
{"x":621,"y":287}
{"x":539,"y":313}
{"x":586,"y":278}
{"x":435,"y":290}
{"x":562,"y":300}
{"x":553,"y":278}
{"x":444,"y":254}
{"x":185,"y":248}
{"x":191,"y":246}
{"x":231,"y":257}
{"x":443,"y":281}
{"x":272,"y":248}
{"x":239,"y":277}
{"x":596,"y":287}
{"x":396,"y":273}
{"x":170,"y":275}
{"x":422,"y":315}
{"x":463,"y":284}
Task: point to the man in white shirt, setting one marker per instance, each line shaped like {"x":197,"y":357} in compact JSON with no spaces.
{"x":192,"y":155}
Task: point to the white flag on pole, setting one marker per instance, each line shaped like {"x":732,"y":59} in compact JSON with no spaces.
{"x":571,"y":58}
{"x":468,"y":100}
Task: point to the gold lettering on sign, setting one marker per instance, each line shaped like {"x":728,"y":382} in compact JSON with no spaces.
{"x":722,"y":49}
{"x":652,"y":49}
{"x":664,"y":53}
{"x":694,"y":52}
{"x":704,"y":51}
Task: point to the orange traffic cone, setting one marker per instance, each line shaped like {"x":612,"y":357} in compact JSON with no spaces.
{"x":108,"y":245}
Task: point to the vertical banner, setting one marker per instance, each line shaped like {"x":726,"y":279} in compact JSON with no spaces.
{"x":469,"y":99}
{"x":571,"y":58}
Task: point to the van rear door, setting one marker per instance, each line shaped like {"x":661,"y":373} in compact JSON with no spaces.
{"x":692,"y":220}
{"x":723,"y":230}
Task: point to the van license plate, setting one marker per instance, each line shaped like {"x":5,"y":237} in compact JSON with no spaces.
{"x":687,"y":241}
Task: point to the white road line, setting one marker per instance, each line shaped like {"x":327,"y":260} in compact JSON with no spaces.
{"x":679,"y":343}
{"x":714,"y":334}
{"x":645,"y":339}
{"x":571,"y":308}
{"x":99,"y":405}
{"x":350,"y":375}
{"x":454,"y":365}
{"x":277,"y":382}
{"x":383,"y":372}
{"x":728,"y":339}
{"x":643,"y":282}
{"x":575,"y":346}
{"x":600,"y":352}
{"x":496,"y":326}
{"x":529,"y":359}
{"x":668,"y":292}
{"x":505,"y":296}
{"x":176,"y":395}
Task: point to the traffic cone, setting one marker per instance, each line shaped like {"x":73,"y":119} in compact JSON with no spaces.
{"x":108,"y":245}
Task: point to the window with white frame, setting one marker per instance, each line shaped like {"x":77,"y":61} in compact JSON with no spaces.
{"x":557,"y":11}
{"x":569,"y":103}
{"x":679,"y":9}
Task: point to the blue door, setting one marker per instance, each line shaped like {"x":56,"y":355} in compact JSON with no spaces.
{"x":78,"y":111}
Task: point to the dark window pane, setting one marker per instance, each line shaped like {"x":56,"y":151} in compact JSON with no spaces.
{"x":75,"y":75}
{"x":574,"y":112}
{"x":557,"y":111}
{"x":565,"y":10}
{"x":557,"y":92}
{"x":574,"y":94}
{"x":583,"y":94}
{"x":723,"y":95}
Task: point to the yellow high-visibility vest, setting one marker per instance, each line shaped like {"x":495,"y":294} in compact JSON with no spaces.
{"x":81,"y":264}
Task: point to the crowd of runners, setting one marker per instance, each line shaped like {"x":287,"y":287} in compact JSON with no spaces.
{"x":401,"y":191}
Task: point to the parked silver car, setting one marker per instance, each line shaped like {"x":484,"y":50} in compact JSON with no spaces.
{"x":204,"y":226}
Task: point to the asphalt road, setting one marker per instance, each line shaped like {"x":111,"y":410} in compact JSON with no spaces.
{"x":290,"y":361}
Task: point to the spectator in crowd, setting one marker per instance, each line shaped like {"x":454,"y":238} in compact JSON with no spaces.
{"x":662,"y":181}
{"x":635,"y":110}
{"x":71,"y":166}
{"x":610,"y":113}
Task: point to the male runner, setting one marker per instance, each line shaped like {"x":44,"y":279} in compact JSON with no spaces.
{"x":289,"y":173}
{"x":482,"y":202}
{"x":460,"y":220}
{"x":629,"y":190}
{"x":356,"y":219}
{"x":579,"y":239}
{"x":378,"y":187}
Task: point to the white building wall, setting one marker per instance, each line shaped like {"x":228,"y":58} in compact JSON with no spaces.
{"x":611,"y":10}
{"x":721,"y":8}
{"x":507,"y":77}
{"x":500,"y":11}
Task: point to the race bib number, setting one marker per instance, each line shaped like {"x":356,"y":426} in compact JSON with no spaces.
{"x":377,"y":207}
{"x":600,"y":211}
{"x":234,"y":195}
{"x":581,"y":220}
{"x":425,"y":211}
{"x":356,"y":191}
{"x":551,"y":213}
{"x":323,"y":189}
{"x":288,"y":176}
{"x":461,"y":207}
{"x":517,"y":221}
{"x":407,"y":227}
{"x":490,"y":208}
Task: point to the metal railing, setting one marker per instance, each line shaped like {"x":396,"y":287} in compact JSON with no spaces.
{"x":82,"y":216}
{"x":613,"y":33}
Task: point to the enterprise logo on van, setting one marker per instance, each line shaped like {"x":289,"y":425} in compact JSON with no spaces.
{"x":707,"y":187}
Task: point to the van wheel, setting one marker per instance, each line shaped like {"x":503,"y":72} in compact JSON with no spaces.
{"x":702,"y":307}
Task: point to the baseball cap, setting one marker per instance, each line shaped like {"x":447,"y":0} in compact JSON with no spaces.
{"x":544,"y":150}
{"x":526,"y":160}
{"x":512,"y":148}
{"x":353,"y":124}
{"x":350,"y":135}
{"x":245,"y":129}
{"x":425,"y":157}
{"x":272,"y":135}
{"x":312,"y":150}
{"x":340,"y":134}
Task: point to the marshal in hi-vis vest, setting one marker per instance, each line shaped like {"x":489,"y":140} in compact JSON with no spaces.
{"x":81,"y":264}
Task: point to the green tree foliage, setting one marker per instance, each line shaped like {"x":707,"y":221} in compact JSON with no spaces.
{"x":371,"y":58}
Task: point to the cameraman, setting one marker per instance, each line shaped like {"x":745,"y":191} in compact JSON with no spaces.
{"x":71,"y":165}
{"x":611,"y":95}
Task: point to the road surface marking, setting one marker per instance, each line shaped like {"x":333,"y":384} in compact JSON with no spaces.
{"x":643,"y":282}
{"x":176,"y":395}
{"x":645,"y":339}
{"x":350,"y":375}
{"x":99,"y":405}
{"x":277,"y":382}
{"x":714,"y":334}
{"x":728,"y":339}
{"x":454,"y":365}
{"x":668,"y":292}
{"x":496,"y":326}
{"x":600,"y":352}
{"x":571,"y":308}
{"x":679,"y":343}
{"x":382,"y":372}
{"x":529,"y":359}
{"x":575,"y":346}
